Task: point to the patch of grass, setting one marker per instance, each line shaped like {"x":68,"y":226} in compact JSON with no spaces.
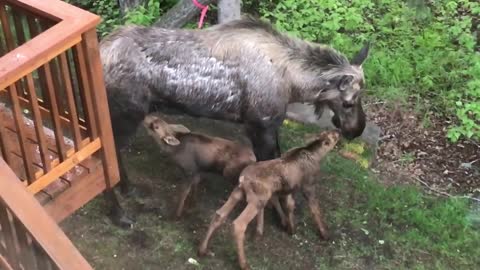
{"x":372,"y":226}
{"x":398,"y":223}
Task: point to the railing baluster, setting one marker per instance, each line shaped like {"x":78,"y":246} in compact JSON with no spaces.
{"x":34,"y":31}
{"x":6,"y":152}
{"x":26,"y":250}
{"x":20,"y":125}
{"x":85,"y":90}
{"x":55,"y":114}
{"x":72,"y":111}
{"x":7,"y":30}
{"x":9,"y":235}
{"x":102,"y":114}
{"x":37,"y":117}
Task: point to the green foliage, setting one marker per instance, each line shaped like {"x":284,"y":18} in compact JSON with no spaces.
{"x":426,"y":51}
{"x":107,"y":9}
{"x":144,"y":15}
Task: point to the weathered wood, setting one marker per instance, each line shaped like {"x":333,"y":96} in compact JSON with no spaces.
{"x":102,"y":113}
{"x":20,"y":127}
{"x":42,"y":228}
{"x":34,"y":53}
{"x":42,"y":143}
{"x":72,"y":111}
{"x":63,"y":167}
{"x":55,"y":113}
{"x":78,"y":194}
{"x":85,"y":90}
{"x":8,"y":232}
{"x":180,"y":14}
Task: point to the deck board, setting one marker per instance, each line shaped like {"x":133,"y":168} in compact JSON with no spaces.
{"x":48,"y":196}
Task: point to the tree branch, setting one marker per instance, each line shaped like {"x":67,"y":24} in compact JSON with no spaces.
{"x":180,"y":14}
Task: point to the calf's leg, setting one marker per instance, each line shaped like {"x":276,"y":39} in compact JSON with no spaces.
{"x":309,"y":194}
{"x":290,"y":205}
{"x":220,"y":216}
{"x":192,"y":181}
{"x":239,"y":227}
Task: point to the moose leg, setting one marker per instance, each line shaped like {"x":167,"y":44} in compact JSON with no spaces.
{"x":220,"y":216}
{"x":264,"y":141}
{"x":278,"y":207}
{"x":193,"y":181}
{"x":239,"y":227}
{"x":124,"y":126}
{"x":309,"y":194}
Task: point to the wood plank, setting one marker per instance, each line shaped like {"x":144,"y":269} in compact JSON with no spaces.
{"x":102,"y":113}
{"x":85,"y":90}
{"x":55,"y":113}
{"x":4,"y":263}
{"x":9,"y":235}
{"x":63,"y":167}
{"x":72,"y":111}
{"x":42,"y":48}
{"x":5,"y":146}
{"x":42,"y":228}
{"x":65,"y":122}
{"x":10,"y":40}
{"x":20,"y":125}
{"x":80,"y":193}
{"x":26,"y":250}
{"x":37,"y":119}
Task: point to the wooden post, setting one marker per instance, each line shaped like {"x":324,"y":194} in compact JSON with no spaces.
{"x":102,"y":113}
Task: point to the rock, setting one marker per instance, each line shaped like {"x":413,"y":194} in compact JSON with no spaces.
{"x":306,"y":114}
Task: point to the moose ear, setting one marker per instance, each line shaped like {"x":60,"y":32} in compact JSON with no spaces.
{"x":361,"y":56}
{"x":170,"y":140}
{"x":344,"y":82}
{"x":179,"y":128}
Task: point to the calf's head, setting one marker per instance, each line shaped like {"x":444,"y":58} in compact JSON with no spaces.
{"x":163,"y":132}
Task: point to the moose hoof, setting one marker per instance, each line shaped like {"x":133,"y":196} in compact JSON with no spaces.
{"x":122,"y":221}
{"x":325,"y":235}
{"x":202,"y":252}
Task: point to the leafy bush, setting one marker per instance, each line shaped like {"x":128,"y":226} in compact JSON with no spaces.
{"x":427,"y":51}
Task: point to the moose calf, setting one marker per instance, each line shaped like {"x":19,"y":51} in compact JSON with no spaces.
{"x":196,"y":153}
{"x":297,"y":168}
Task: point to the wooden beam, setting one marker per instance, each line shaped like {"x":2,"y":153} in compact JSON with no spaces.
{"x":41,"y":227}
{"x":65,"y":166}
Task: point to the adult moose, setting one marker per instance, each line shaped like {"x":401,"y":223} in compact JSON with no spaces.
{"x":243,"y":71}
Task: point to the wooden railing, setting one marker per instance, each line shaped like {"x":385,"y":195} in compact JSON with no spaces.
{"x":51,"y":85}
{"x":29,"y":238}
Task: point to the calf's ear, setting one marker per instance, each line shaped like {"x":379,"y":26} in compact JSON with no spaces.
{"x":179,"y":128}
{"x":170,"y":140}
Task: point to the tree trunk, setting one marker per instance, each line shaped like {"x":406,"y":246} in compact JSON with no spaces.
{"x":228,"y":10}
{"x":180,"y":14}
{"x":129,"y":5}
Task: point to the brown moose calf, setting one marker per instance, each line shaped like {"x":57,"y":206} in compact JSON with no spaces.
{"x":297,"y":168}
{"x":198,"y":153}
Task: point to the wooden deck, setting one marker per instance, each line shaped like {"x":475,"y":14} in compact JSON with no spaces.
{"x":66,"y":190}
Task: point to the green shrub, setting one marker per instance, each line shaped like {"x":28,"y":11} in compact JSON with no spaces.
{"x":427,"y":52}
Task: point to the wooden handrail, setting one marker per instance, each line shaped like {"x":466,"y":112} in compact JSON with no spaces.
{"x":42,"y":48}
{"x":41,"y":227}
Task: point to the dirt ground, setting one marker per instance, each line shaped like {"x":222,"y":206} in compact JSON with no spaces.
{"x":159,"y":241}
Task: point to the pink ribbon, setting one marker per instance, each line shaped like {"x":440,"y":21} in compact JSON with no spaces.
{"x":202,"y":14}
